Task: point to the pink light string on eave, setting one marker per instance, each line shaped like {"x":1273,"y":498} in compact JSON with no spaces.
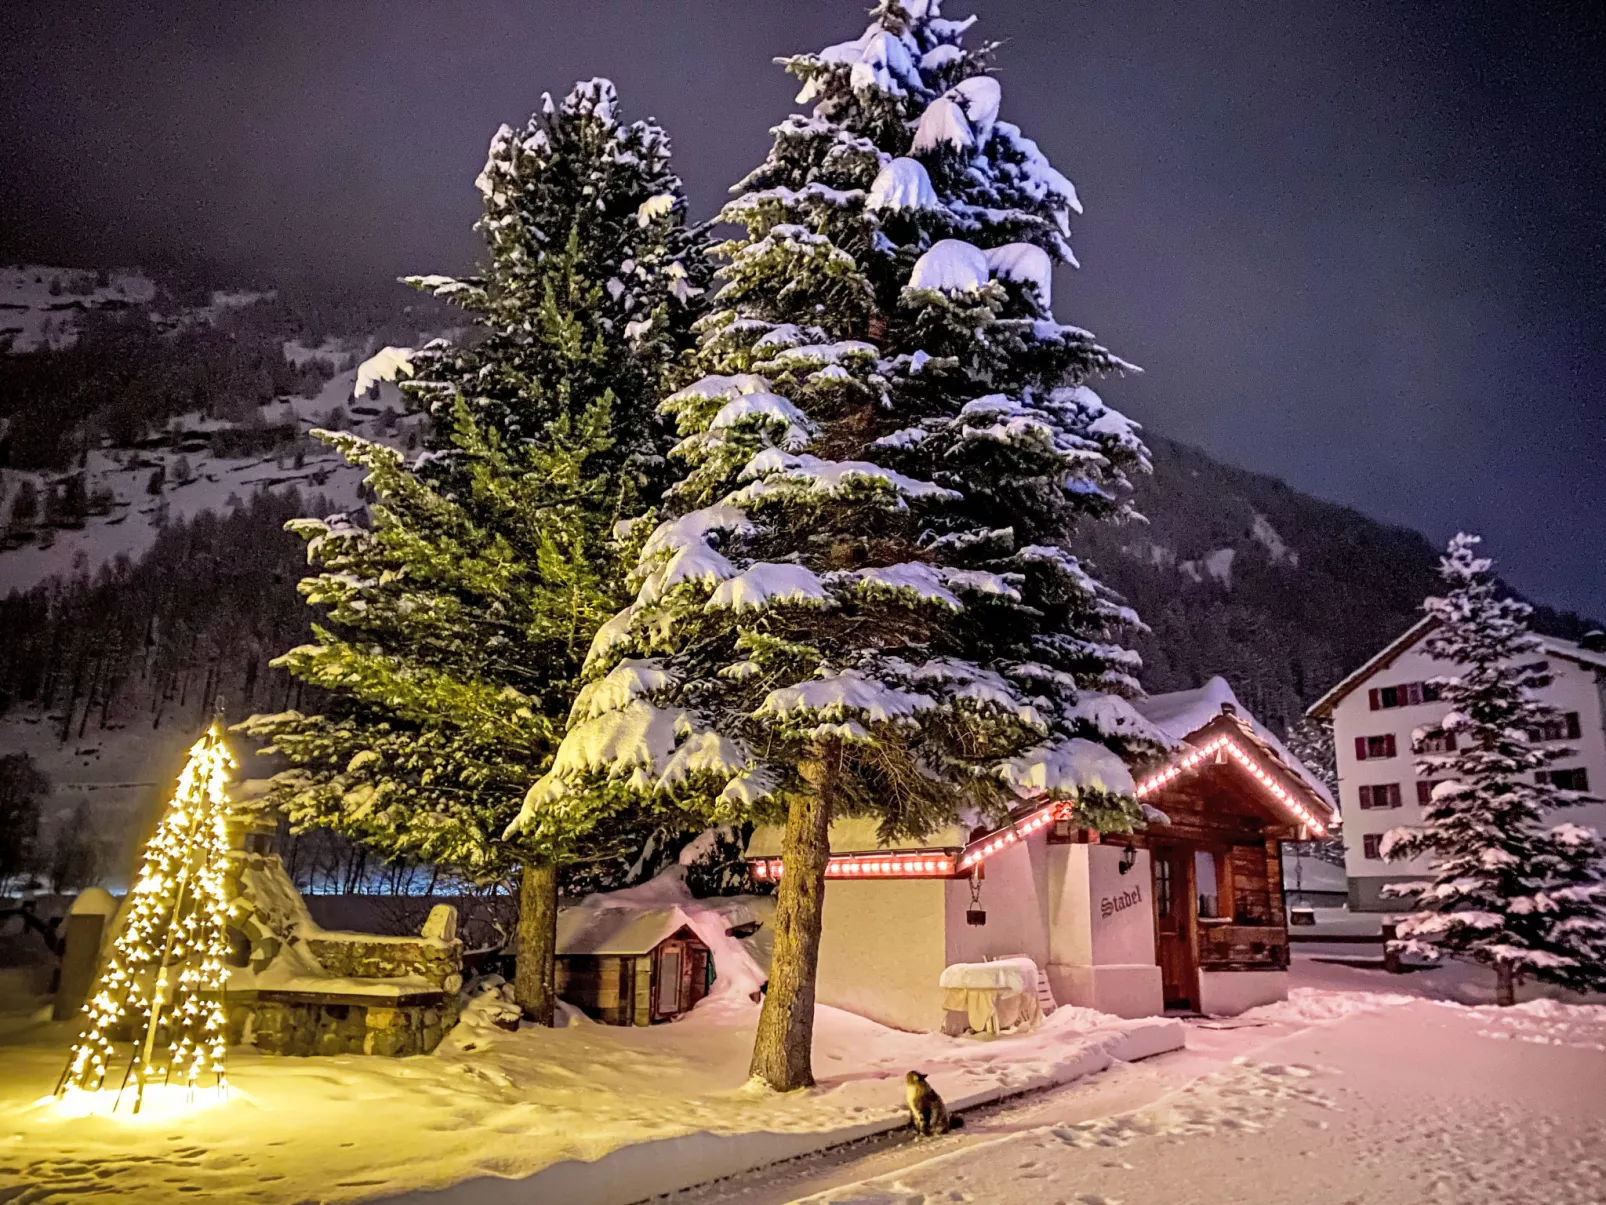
{"x":942,"y":864}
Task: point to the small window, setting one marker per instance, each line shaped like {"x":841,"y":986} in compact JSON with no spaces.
{"x":1437,"y":741}
{"x":1390,"y":696}
{"x":1162,"y":887}
{"x":1206,"y":883}
{"x":1430,"y":692}
{"x":1382,"y":795}
{"x":1372,"y":846}
{"x":1559,"y":728}
{"x":1368,"y":748}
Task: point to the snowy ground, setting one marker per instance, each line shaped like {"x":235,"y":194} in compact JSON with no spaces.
{"x":1363,"y":1089}
{"x":594,"y":1113}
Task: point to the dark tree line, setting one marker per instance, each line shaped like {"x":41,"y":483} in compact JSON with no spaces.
{"x":157,"y":641}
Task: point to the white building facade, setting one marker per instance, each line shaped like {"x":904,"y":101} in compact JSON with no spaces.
{"x":1375,"y":713}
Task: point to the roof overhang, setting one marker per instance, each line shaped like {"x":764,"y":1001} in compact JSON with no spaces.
{"x":1282,"y":791}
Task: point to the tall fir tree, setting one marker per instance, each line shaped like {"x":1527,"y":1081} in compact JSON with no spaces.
{"x":458,"y":615}
{"x":864,"y":601}
{"x":1510,"y":889}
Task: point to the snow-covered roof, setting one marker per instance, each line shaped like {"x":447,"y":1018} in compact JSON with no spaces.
{"x":1182,"y":713}
{"x":1322,"y":708}
{"x":625,"y":931}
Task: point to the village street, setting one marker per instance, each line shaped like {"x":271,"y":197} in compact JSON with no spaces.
{"x":1401,"y":1099}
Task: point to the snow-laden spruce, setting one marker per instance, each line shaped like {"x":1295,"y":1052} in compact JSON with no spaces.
{"x":458,"y":611}
{"x":1511,"y":888}
{"x":864,"y":599}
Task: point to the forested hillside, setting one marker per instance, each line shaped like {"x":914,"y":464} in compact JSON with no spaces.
{"x":1239,"y":574}
{"x":159,"y":641}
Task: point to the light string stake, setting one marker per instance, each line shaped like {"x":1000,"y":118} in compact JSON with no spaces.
{"x":167,"y":969}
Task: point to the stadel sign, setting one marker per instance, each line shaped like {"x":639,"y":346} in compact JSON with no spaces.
{"x":1120,"y":907}
{"x":1111,"y":904}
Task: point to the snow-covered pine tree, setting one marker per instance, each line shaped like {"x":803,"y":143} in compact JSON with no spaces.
{"x":586,"y":295}
{"x":1311,"y":740}
{"x":459,"y":614}
{"x":1509,"y":890}
{"x":864,"y":601}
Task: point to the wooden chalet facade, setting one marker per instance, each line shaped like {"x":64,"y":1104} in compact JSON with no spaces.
{"x":1187,"y":913}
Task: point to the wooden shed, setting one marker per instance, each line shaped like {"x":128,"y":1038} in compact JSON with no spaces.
{"x":626,"y":966}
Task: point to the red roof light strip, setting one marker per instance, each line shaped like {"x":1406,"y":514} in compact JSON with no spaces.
{"x":924,"y":864}
{"x":1269,"y":781}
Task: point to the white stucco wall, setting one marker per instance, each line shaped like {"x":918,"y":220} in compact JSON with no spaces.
{"x":882,"y":950}
{"x":1228,"y":993}
{"x":1574,"y":687}
{"x":1101,"y":926}
{"x":1014,"y":896}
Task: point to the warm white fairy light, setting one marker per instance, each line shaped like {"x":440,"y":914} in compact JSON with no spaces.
{"x":1255,"y":769}
{"x":166,"y":973}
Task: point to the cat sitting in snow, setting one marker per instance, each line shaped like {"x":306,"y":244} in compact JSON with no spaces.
{"x":926,"y":1110}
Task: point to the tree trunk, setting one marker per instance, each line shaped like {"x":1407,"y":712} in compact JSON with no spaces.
{"x":785,"y":1038}
{"x":1505,"y":985}
{"x":536,"y":942}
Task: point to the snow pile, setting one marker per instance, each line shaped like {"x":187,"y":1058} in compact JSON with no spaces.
{"x":387,"y":364}
{"x":1318,"y":1006}
{"x":902,"y":184}
{"x":951,"y":266}
{"x":1026,"y":263}
{"x":1005,"y":975}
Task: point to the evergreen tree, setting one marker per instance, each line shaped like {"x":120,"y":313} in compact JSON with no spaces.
{"x":459,"y":615}
{"x":1508,"y":891}
{"x":1311,"y":740}
{"x":864,"y":601}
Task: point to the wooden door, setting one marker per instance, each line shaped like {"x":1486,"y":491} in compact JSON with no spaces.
{"x":669,"y":999}
{"x":1173,"y":925}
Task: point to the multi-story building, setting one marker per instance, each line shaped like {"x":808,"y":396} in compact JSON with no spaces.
{"x":1387,"y":703}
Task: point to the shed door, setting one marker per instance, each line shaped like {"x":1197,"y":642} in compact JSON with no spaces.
{"x":1173,"y":925}
{"x":670,"y":960}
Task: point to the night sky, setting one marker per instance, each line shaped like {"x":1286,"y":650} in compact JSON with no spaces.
{"x":1356,"y":245}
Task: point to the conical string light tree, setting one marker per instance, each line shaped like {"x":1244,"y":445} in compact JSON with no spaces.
{"x":164,"y":981}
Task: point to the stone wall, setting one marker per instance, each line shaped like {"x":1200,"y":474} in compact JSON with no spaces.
{"x":304,"y":1027}
{"x":358,"y":956}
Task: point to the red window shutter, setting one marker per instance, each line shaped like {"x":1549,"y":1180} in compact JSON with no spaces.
{"x":1372,"y":700}
{"x":1366,"y":798}
{"x":1394,"y":795}
{"x":1424,"y":793}
{"x":1413,"y":693}
{"x":1360,"y":746}
{"x":1388,"y":745}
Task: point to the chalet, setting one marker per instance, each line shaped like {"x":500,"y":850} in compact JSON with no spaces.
{"x":629,"y":966}
{"x":1187,"y":913}
{"x":1388,"y":708}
